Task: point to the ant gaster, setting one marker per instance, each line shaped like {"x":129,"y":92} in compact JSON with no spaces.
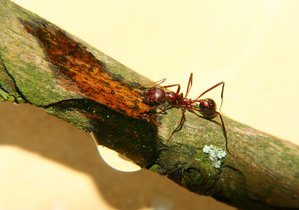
{"x":163,"y":99}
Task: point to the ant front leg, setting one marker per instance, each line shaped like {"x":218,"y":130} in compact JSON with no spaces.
{"x":225,"y":136}
{"x":222,"y":126}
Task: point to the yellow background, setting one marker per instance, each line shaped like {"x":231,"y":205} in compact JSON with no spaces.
{"x":251,"y":45}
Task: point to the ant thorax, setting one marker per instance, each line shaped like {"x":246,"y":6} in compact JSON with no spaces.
{"x":174,"y":98}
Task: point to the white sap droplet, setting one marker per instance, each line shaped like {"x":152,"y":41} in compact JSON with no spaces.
{"x":115,"y":160}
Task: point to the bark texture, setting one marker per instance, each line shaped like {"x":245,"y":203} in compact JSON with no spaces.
{"x":45,"y":66}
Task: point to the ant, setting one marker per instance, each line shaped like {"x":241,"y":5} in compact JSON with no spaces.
{"x":164,"y":100}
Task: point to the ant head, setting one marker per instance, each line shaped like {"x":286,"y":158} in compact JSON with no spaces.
{"x":154,"y":96}
{"x":207,"y":107}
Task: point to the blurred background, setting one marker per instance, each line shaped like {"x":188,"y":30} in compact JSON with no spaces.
{"x":251,"y":45}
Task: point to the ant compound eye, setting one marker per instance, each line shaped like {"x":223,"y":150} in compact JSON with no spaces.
{"x":203,"y":104}
{"x":206,"y":104}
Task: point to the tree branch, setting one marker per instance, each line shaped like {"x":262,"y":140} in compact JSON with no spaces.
{"x":43,"y":65}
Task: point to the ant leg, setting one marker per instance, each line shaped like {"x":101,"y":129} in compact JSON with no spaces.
{"x":157,"y":83}
{"x":179,"y":127}
{"x":178,"y":89}
{"x":160,"y":81}
{"x":164,"y":109}
{"x":189,"y":85}
{"x":192,"y":111}
{"x":225,"y":136}
{"x":211,"y":88}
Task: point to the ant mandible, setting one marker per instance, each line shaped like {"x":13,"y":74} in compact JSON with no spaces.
{"x":164,"y":99}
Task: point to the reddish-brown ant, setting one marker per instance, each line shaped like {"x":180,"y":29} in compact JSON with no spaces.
{"x":164,"y":99}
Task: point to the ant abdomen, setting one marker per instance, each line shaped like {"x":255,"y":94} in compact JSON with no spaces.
{"x":154,"y":96}
{"x":207,"y":107}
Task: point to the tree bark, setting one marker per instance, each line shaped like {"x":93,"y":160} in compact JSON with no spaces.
{"x":45,"y":66}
